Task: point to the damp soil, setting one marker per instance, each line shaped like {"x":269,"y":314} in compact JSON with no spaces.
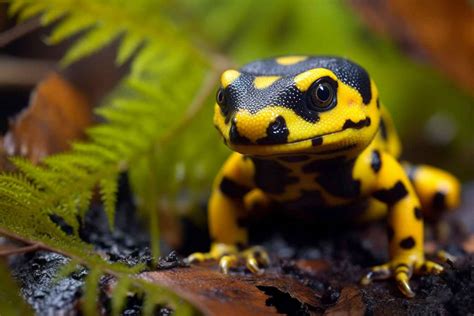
{"x":326,"y":260}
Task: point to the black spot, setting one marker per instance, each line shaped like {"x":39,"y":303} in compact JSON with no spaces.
{"x":418,"y":213}
{"x":337,"y":150}
{"x":277,"y":133}
{"x":272,"y":177}
{"x":294,"y":158}
{"x":233,"y":189}
{"x":322,"y":165}
{"x":376,"y":162}
{"x":235,"y":137}
{"x":407,"y":243}
{"x":357,"y":125}
{"x":439,"y":201}
{"x":392,"y":195}
{"x":309,"y":200}
{"x":317,"y":141}
{"x":378,"y":103}
{"x":390,"y":233}
{"x":383,"y":129}
{"x":338,"y":180}
{"x":423,"y":268}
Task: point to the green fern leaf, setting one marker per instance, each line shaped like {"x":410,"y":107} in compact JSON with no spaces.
{"x":16,"y":6}
{"x":91,"y":293}
{"x":52,"y":15}
{"x":70,"y":26}
{"x":91,"y":42}
{"x":131,"y":42}
{"x":11,"y":303}
{"x":108,"y":192}
{"x":31,"y":10}
{"x":118,"y":296}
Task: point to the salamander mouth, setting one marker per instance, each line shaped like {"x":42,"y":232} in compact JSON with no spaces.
{"x":318,"y":145}
{"x":335,"y":142}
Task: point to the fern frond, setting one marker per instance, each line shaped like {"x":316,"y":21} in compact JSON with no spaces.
{"x":91,"y":42}
{"x":142,"y":115}
{"x":130,"y":44}
{"x":91,"y":292}
{"x":108,"y":192}
{"x":118,"y":296}
{"x":11,"y":302}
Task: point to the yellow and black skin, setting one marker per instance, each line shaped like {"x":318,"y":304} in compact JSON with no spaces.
{"x":310,"y":134}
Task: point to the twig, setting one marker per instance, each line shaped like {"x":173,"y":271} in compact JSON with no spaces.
{"x":18,"y":250}
{"x":18,"y":31}
{"x":23,"y":72}
{"x":38,"y":244}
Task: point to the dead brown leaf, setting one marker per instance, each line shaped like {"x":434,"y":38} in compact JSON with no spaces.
{"x":349,"y":303}
{"x":214,"y":293}
{"x":57,"y":114}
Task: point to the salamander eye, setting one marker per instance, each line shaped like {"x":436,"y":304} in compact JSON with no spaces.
{"x":323,"y":94}
{"x":220,"y":97}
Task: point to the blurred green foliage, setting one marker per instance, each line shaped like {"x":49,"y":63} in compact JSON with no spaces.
{"x":159,"y":119}
{"x":11,"y":304}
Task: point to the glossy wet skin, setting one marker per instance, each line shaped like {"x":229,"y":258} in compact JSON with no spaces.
{"x":311,"y":135}
{"x":305,"y":110}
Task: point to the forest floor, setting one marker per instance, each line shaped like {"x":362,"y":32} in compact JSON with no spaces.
{"x":314,"y":270}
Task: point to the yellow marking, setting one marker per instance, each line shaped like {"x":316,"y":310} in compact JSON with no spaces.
{"x":290,"y":60}
{"x":304,"y":80}
{"x":263,"y":82}
{"x":228,"y":77}
{"x":428,"y":180}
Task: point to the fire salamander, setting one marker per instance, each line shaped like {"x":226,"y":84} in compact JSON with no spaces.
{"x":311,"y":134}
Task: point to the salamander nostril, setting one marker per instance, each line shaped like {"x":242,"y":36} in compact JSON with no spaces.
{"x":277,"y":124}
{"x":277,"y":132}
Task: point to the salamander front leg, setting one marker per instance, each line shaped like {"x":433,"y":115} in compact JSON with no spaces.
{"x":405,"y":228}
{"x":229,"y":244}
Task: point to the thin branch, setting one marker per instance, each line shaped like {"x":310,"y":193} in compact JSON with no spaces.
{"x":19,"y":250}
{"x":18,"y":31}
{"x":23,"y":72}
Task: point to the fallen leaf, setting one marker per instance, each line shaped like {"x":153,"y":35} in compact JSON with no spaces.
{"x":57,"y":114}
{"x":349,"y":303}
{"x":214,"y":293}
